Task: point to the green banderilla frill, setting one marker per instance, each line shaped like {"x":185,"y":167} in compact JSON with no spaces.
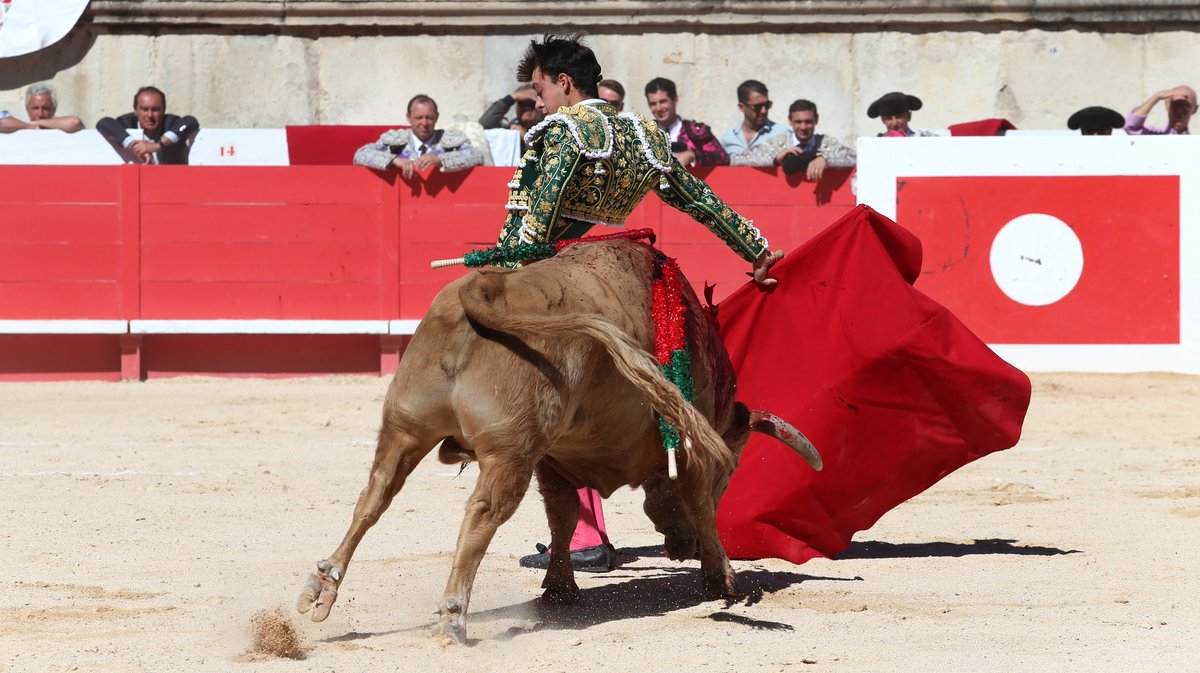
{"x":679,"y":372}
{"x":523,"y":252}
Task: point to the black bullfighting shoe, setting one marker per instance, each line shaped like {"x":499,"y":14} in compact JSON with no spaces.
{"x":599,"y":559}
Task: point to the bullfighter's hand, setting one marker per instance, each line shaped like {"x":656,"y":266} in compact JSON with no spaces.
{"x":525,"y":94}
{"x":763,"y":264}
{"x":686,"y":157}
{"x":778,"y":160}
{"x":405,"y":166}
{"x":428,"y":161}
{"x":816,"y":168}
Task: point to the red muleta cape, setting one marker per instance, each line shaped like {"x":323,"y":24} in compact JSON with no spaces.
{"x":892,"y":389}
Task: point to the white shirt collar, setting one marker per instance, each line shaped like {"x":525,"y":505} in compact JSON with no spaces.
{"x":675,"y":129}
{"x":593,"y":101}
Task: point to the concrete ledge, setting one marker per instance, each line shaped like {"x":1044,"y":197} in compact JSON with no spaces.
{"x":403,"y":327}
{"x":258,"y":326}
{"x":530,"y":16}
{"x":64,"y":327}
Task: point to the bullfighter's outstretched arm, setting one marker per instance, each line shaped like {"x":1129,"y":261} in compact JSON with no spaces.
{"x":690,"y":195}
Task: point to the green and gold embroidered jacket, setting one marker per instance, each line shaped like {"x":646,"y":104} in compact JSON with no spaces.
{"x":588,"y":165}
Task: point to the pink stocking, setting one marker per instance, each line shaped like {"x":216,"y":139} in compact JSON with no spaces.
{"x":589,"y":531}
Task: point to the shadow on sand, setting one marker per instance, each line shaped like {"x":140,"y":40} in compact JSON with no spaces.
{"x":885,"y":550}
{"x":659,"y":589}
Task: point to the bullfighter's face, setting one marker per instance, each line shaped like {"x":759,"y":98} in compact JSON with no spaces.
{"x":552,"y":92}
{"x":897,"y":122}
{"x":804,"y":123}
{"x":422,"y":117}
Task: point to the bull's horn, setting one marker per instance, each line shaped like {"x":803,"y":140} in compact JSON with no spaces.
{"x":770,"y":424}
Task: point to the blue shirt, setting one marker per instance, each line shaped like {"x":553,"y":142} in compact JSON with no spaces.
{"x":735,"y":142}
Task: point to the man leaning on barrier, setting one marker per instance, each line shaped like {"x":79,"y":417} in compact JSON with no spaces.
{"x":41,"y":106}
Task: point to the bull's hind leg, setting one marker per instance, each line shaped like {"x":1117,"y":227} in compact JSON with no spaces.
{"x":504,"y":476}
{"x":396,"y":455}
{"x":700,"y":497}
{"x":562,"y":512}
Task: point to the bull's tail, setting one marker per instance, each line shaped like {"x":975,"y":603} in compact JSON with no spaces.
{"x":770,"y":424}
{"x":708,"y":451}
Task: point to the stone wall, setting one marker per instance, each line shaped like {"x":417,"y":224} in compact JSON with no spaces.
{"x":246,"y":63}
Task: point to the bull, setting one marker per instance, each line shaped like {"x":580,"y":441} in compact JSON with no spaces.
{"x":547,"y":370}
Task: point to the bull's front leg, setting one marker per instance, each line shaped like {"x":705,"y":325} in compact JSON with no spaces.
{"x":503,"y":479}
{"x":562,"y":514}
{"x":700,"y":496}
{"x":396,"y":455}
{"x":665,"y":508}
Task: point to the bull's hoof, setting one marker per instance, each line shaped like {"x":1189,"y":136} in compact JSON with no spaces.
{"x":451,"y":627}
{"x":561,"y":594}
{"x":320,"y":591}
{"x":722,"y":585}
{"x":680,"y":548}
{"x":449,"y":633}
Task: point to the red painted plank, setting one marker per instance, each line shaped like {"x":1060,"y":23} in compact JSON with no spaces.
{"x":60,"y":184}
{"x":346,"y":185}
{"x":269,"y":262}
{"x":267,"y":223}
{"x":50,"y":357}
{"x":131,"y":233}
{"x":60,"y":300}
{"x":60,"y":222}
{"x":60,"y":261}
{"x":268,"y":300}
{"x":259,"y":354}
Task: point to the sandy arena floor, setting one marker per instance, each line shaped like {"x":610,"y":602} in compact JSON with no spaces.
{"x":144,"y":523}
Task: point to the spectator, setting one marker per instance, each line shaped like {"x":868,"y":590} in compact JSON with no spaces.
{"x":803,"y":150}
{"x":1181,"y":105}
{"x":41,"y":102}
{"x":692,"y":142}
{"x":612,"y":91}
{"x":1096,"y":121}
{"x":895,"y":111}
{"x":527,"y":115}
{"x":756,"y":127}
{"x":420,"y":146}
{"x":163,"y":139}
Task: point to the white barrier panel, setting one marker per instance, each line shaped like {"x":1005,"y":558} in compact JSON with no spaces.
{"x":240,"y":147}
{"x":1064,"y":253}
{"x":212,"y":147}
{"x":55,"y":148}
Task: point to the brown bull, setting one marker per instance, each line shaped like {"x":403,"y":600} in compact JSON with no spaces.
{"x":546,"y":370}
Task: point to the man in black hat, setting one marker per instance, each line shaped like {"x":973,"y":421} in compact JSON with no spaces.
{"x":895,"y":110}
{"x":1096,"y":121}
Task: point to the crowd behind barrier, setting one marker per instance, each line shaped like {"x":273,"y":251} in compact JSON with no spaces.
{"x":150,"y":134}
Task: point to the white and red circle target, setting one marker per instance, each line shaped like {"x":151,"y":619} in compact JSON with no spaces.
{"x":1036,"y":259}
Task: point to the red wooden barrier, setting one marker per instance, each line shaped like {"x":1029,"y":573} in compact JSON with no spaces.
{"x":312,"y":243}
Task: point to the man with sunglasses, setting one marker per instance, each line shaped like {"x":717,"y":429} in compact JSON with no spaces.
{"x":756,"y":127}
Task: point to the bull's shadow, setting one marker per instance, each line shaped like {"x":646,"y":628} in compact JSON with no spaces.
{"x":648,"y":591}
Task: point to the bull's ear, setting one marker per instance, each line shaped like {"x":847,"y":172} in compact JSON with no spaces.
{"x":708,"y":301}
